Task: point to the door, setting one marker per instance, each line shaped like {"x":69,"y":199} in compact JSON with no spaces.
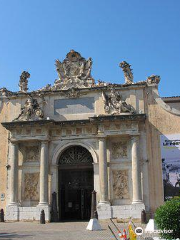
{"x":75,"y":191}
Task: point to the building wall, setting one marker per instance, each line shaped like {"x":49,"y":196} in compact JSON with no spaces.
{"x":159,"y":122}
{"x":4,"y":110}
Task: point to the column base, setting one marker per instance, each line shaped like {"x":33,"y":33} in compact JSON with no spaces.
{"x":137,"y":202}
{"x":13,"y":204}
{"x":46,"y":208}
{"x":12,"y":212}
{"x":43,"y":204}
{"x":104,"y":202}
{"x":104,"y":210}
{"x":16,"y":213}
{"x":129,"y":211}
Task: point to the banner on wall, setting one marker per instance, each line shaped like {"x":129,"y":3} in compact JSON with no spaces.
{"x":170,"y":155}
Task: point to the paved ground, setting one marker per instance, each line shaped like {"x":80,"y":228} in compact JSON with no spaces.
{"x":57,"y":231}
{"x":60,"y":231}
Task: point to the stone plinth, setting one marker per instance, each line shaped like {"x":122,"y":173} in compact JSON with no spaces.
{"x":15,"y":213}
{"x":106,"y":211}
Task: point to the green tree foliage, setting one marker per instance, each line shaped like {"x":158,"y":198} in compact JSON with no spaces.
{"x":167,"y":217}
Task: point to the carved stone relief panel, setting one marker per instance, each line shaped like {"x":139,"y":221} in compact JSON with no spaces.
{"x":32,"y":153}
{"x":119,"y":149}
{"x":31,"y":187}
{"x":120,"y":184}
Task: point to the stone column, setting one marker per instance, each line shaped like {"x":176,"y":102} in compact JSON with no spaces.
{"x":44,"y":162}
{"x":136,"y":171}
{"x":14,"y":173}
{"x":103,"y":175}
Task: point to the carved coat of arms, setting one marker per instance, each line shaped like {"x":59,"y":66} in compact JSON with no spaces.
{"x":74,"y":71}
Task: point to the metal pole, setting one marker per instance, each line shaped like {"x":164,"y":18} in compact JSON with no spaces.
{"x":112,"y":232}
{"x":114,"y":225}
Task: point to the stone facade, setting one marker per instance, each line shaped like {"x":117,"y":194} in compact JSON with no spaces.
{"x":118,"y":124}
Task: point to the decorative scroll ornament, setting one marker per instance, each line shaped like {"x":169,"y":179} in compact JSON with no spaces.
{"x":73,"y":93}
{"x":153,"y":79}
{"x":74,"y":71}
{"x":113,"y":103}
{"x":23,"y":82}
{"x":46,"y":88}
{"x":5,"y":93}
{"x":31,"y":111}
{"x":128,"y":75}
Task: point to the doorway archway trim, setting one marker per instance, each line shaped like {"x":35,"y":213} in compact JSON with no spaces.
{"x":61,"y":147}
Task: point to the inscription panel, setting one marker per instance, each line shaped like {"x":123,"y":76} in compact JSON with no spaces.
{"x":74,"y":106}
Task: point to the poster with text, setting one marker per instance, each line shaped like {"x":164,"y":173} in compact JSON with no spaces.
{"x":170,"y":155}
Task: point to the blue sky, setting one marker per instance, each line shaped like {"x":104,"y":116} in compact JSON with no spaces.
{"x":144,"y":33}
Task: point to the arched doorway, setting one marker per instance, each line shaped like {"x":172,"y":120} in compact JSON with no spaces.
{"x":75,"y":182}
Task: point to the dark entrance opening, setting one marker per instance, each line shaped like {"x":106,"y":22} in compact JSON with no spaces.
{"x":76,"y":184}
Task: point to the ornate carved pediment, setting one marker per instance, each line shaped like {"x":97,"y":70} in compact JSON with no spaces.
{"x":31,"y":111}
{"x":128,"y":74}
{"x":5,"y":93}
{"x":114,"y":104}
{"x":74,"y":71}
{"x":153,"y":79}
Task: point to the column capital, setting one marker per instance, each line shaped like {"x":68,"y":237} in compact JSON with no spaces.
{"x":135,"y":138}
{"x":44,"y":141}
{"x":14,"y":141}
{"x":102,"y":137}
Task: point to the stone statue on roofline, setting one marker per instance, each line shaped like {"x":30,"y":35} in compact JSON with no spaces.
{"x":153,"y":79}
{"x":31,"y":111}
{"x":23,"y":82}
{"x":128,"y":74}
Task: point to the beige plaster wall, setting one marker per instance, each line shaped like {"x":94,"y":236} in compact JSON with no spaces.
{"x":4,"y":109}
{"x":133,"y":96}
{"x":158,"y":122}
